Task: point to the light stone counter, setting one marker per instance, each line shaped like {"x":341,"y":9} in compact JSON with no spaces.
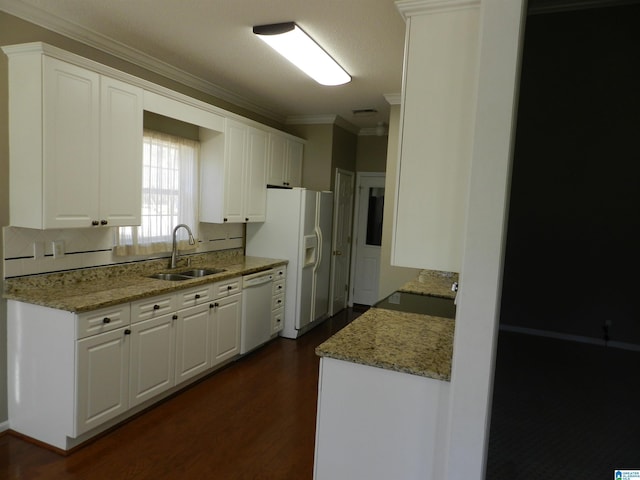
{"x":404,"y":342}
{"x":432,"y":282}
{"x":92,"y":288}
{"x":400,"y":341}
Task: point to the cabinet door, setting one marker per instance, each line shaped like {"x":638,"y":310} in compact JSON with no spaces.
{"x":120,"y":153}
{"x":255,"y":176}
{"x":152,"y":358}
{"x":235,"y":152}
{"x":102,"y":378}
{"x":436,"y":140}
{"x":71,"y":125}
{"x":293,"y":177}
{"x":192,"y":342}
{"x":277,"y":154}
{"x":226,"y":318}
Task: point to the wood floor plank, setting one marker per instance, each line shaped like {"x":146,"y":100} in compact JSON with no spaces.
{"x":253,"y":420}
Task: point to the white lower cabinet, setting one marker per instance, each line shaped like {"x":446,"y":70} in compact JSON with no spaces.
{"x":102,"y":378}
{"x":226,"y":316}
{"x":277,"y":304}
{"x":192,"y":342}
{"x":78,"y":374}
{"x":152,"y":365}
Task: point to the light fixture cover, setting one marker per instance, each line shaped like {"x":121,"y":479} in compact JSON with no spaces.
{"x":295,"y":45}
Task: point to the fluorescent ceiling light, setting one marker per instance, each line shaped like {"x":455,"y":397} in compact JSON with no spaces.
{"x":291,"y":42}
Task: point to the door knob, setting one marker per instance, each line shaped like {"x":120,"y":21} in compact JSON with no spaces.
{"x":337,"y":252}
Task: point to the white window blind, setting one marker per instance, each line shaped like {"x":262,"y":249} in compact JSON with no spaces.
{"x":169,"y":196}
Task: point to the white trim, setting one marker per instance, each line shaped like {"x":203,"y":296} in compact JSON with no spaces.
{"x":4,"y":426}
{"x":393,"y":98}
{"x":328,"y":119}
{"x":408,"y":8}
{"x":572,"y":5}
{"x":478,"y":301}
{"x":569,"y":337}
{"x":124,"y":52}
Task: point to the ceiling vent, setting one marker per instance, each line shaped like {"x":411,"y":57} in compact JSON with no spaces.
{"x":364,"y":112}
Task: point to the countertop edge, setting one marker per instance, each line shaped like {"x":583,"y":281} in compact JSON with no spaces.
{"x":119,"y":292}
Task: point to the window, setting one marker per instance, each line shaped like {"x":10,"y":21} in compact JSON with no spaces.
{"x":169,"y":196}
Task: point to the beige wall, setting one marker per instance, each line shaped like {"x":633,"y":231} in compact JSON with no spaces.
{"x":317,"y":155}
{"x":391,"y":277}
{"x":372,"y":153}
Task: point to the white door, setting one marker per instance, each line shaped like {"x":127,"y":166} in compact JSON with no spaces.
{"x":368,"y":238}
{"x":341,"y":253}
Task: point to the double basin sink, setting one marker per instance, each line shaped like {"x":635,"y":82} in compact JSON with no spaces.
{"x":187,"y":275}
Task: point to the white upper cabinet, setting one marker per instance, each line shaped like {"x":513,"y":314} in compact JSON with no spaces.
{"x":120,"y":153}
{"x":285,"y":161}
{"x":436,"y":135}
{"x":75,"y":144}
{"x":233,"y":184}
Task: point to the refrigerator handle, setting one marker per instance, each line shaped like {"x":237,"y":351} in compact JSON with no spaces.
{"x":318,"y":248}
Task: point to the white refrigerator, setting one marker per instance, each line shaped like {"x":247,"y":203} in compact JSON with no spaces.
{"x":298,"y":228}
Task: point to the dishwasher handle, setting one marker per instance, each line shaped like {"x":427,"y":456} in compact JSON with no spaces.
{"x":252,"y":282}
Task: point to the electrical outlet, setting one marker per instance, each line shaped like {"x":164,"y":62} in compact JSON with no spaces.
{"x":58,"y":248}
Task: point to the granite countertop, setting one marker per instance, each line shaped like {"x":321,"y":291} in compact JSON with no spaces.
{"x":404,"y":342}
{"x":93,"y":288}
{"x":432,"y":282}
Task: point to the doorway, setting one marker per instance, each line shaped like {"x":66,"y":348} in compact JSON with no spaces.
{"x":367,"y":235}
{"x":341,"y":242}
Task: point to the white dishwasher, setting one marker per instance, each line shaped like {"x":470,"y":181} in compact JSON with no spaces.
{"x":256,"y":310}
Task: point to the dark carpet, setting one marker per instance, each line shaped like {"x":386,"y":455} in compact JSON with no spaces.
{"x":563,"y":410}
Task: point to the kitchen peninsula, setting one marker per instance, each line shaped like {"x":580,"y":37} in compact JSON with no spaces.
{"x":383,"y":390}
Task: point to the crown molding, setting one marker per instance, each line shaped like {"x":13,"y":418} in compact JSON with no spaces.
{"x":129,"y":54}
{"x":408,"y":8}
{"x":393,"y":98}
{"x":329,"y":119}
{"x":538,"y":8}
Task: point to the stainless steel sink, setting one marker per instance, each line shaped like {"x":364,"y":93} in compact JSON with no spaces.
{"x":202,"y":272}
{"x":173,"y":277}
{"x":187,"y":275}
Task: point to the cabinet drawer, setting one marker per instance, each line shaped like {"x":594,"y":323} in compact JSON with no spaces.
{"x":278,"y":287}
{"x":152,"y":307}
{"x":103,"y":320}
{"x":194,"y":296}
{"x":227,"y":287}
{"x":279,"y":273}
{"x":277,"y":302}
{"x":276,"y":320}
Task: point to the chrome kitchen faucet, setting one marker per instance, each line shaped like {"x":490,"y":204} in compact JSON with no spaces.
{"x":174,"y":250}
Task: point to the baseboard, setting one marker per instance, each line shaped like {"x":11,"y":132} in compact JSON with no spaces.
{"x":4,"y":426}
{"x":569,"y":337}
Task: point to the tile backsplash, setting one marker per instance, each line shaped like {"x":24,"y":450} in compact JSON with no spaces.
{"x":28,"y":251}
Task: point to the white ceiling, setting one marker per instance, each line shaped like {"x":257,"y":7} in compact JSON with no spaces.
{"x":212,"y":41}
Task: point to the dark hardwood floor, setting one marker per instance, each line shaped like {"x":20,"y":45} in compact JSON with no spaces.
{"x":252,"y":420}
